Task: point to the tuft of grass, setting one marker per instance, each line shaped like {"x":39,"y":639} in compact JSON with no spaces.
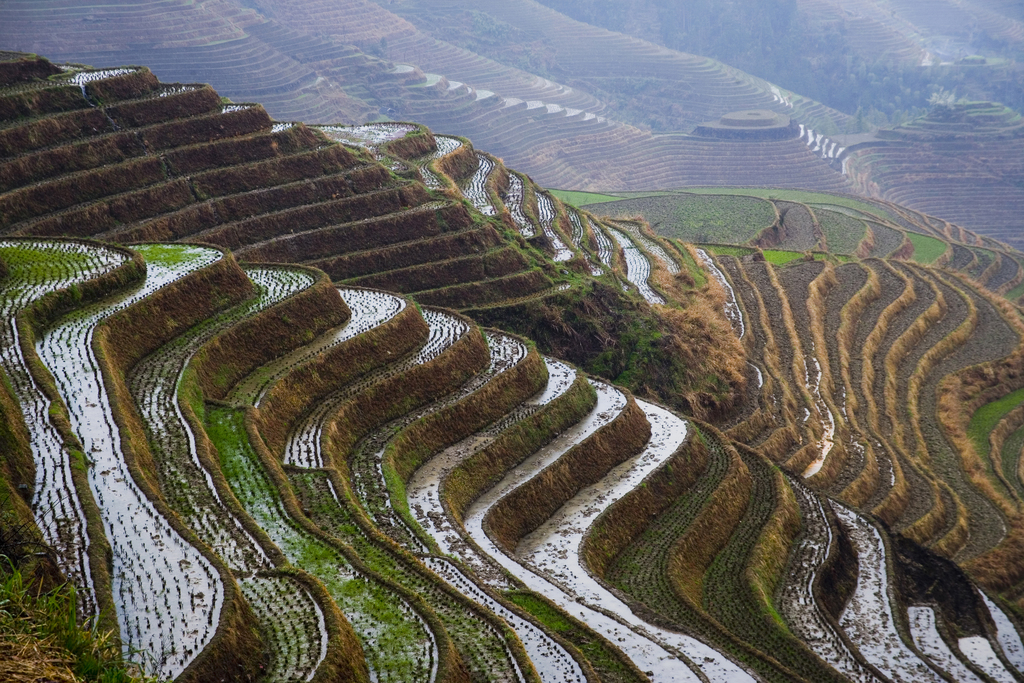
{"x":41,"y":639}
{"x":1015,"y":293}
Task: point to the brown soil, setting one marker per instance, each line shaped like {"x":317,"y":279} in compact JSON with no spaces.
{"x":798,"y":227}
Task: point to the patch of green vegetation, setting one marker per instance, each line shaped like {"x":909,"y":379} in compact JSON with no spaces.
{"x":842,"y":233}
{"x":583,"y":198}
{"x":988,"y":416}
{"x":780,"y":258}
{"x":690,"y":266}
{"x":40,"y":631}
{"x":601,"y":657}
{"x":165,"y":254}
{"x":731,"y":219}
{"x":926,"y":249}
{"x":1015,"y":293}
{"x":803,"y":196}
{"x":728,"y":250}
{"x":391,"y":639}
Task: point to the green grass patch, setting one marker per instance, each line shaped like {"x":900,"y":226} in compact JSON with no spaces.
{"x":583,"y":198}
{"x":988,"y":416}
{"x":48,"y":621}
{"x":728,"y":219}
{"x":842,"y":233}
{"x":690,"y":266}
{"x":728,"y":250}
{"x":796,"y":196}
{"x":391,"y":639}
{"x":608,"y":666}
{"x":779,"y":257}
{"x":1015,"y":293}
{"x":926,"y":249}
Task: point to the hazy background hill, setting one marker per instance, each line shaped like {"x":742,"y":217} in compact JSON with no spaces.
{"x":597,"y":95}
{"x":881,"y":58}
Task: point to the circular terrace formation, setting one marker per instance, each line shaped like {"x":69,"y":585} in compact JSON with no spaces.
{"x":749,"y":124}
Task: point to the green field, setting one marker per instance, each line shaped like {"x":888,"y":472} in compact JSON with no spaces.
{"x":843,"y":233}
{"x":780,"y":258}
{"x":730,"y":219}
{"x":796,"y":196}
{"x":583,"y":198}
{"x":926,"y":249}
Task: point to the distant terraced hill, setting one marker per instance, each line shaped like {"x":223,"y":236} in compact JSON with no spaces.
{"x":270,"y":400}
{"x":960,"y":162}
{"x":578,"y":117}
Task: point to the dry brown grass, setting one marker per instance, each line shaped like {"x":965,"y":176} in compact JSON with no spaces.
{"x":997,"y":439}
{"x":849,"y":319}
{"x":485,"y":468}
{"x":418,"y":442}
{"x":1017,"y":278}
{"x":712,"y":358}
{"x":770,"y":354}
{"x":956,"y":538}
{"x":294,"y":394}
{"x":799,"y":363}
{"x":868,"y":479}
{"x":27,"y":660}
{"x":400,"y":394}
{"x":899,"y":350}
{"x":898,"y":497}
{"x":119,"y":342}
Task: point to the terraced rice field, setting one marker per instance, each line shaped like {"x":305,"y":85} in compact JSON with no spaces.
{"x":638,"y":267}
{"x":34,"y":269}
{"x":383,"y":490}
{"x":169,"y":600}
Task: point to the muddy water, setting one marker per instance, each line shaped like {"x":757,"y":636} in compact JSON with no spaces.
{"x":980,"y":652}
{"x":638,"y":268}
{"x":167,"y":595}
{"x":1006,"y":634}
{"x":553,"y":549}
{"x":868,"y":618}
{"x":35,"y":269}
{"x":827,"y":440}
{"x":732,"y":309}
{"x":546,"y":214}
{"x":303,"y":449}
{"x":796,"y":598}
{"x":475,"y":189}
{"x":552,"y":662}
{"x":423,"y":489}
{"x":291,"y":622}
{"x":926,"y":637}
{"x":514,"y":203}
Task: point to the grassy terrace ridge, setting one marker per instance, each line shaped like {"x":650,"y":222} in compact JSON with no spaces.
{"x":347,"y":457}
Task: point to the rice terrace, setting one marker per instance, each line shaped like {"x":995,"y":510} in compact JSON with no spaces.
{"x":382,"y":358}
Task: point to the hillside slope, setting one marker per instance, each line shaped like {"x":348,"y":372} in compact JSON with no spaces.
{"x":257,"y":415}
